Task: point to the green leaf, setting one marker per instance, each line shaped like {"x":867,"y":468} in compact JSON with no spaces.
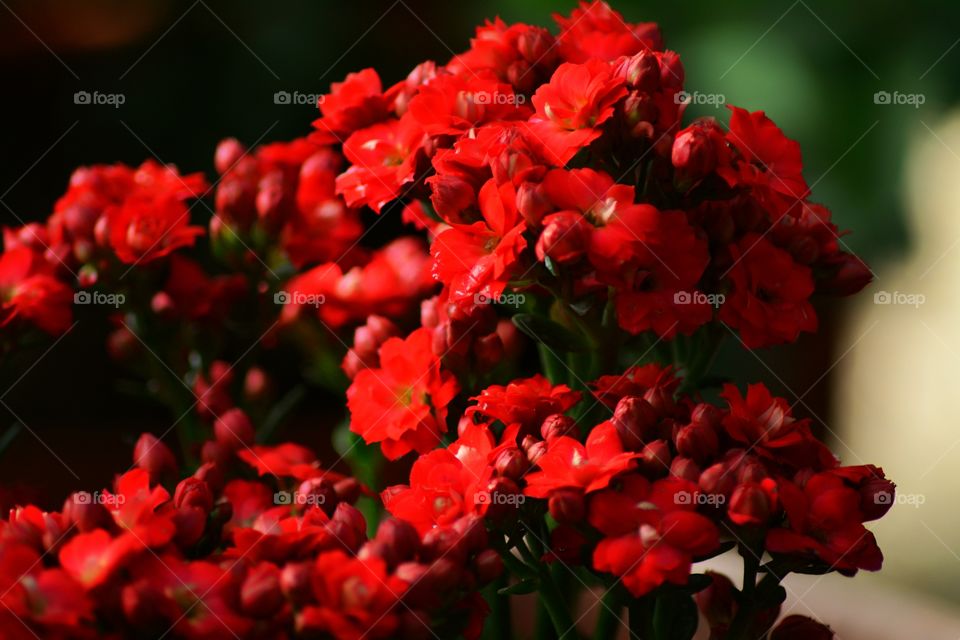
{"x":520,"y":588}
{"x":549,"y":333}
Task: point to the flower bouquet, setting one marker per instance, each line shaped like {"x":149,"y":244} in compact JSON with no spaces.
{"x":577,"y":254}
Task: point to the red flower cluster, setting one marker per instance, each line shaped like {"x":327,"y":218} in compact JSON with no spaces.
{"x":700,"y":216}
{"x":552,"y":190}
{"x":656,"y":486}
{"x":222,"y":557}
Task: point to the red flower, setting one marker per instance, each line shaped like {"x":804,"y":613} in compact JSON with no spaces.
{"x":453,"y":104}
{"x":526,"y":402}
{"x":569,"y":464}
{"x":28,"y":290}
{"x":768,"y":161}
{"x":481,"y":257}
{"x":764,"y":424}
{"x":825,"y":523}
{"x":768,"y":300}
{"x":353,"y":104}
{"x":655,"y":260}
{"x":357,"y":598}
{"x":636,"y":381}
{"x":384,"y":158}
{"x":570,"y":109}
{"x":653,"y":533}
{"x":444,"y":483}
{"x":595,"y":31}
{"x":390,"y":282}
{"x":403,"y":404}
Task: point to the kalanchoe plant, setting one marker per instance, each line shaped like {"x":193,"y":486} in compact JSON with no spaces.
{"x":554,"y":198}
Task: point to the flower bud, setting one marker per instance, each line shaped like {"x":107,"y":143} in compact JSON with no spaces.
{"x":696,"y":151}
{"x":717,"y":480}
{"x":233,"y":429}
{"x":641,"y":71}
{"x":566,"y":506}
{"x":295,"y":582}
{"x":228,"y":153}
{"x":634,"y":419}
{"x":655,"y":458}
{"x":488,"y":351}
{"x":697,"y":441}
{"x":256,"y":384}
{"x":86,"y":515}
{"x":510,"y":463}
{"x":685,"y":468}
{"x":556,"y":425}
{"x":154,"y":457}
{"x":488,"y":565}
{"x":566,"y":545}
{"x":318,"y":492}
{"x":400,"y":537}
{"x":193,"y":493}
{"x":348,"y":490}
{"x":532,"y":203}
{"x":749,"y":505}
{"x":564,"y":238}
{"x":798,"y":627}
{"x":260,"y":594}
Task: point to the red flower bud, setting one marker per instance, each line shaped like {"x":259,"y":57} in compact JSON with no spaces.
{"x":488,"y":565}
{"x":348,"y":490}
{"x":233,"y":429}
{"x":260,"y":594}
{"x":750,"y":505}
{"x":566,"y":545}
{"x":567,"y":506}
{"x":193,"y":493}
{"x":697,"y":441}
{"x":400,"y":537}
{"x":685,"y":468}
{"x":655,"y":458}
{"x":564,"y":238}
{"x":86,"y":515}
{"x":510,"y":463}
{"x":256,"y":384}
{"x":318,"y":492}
{"x":557,"y":425}
{"x":295,"y":582}
{"x":717,"y":480}
{"x":634,"y":419}
{"x":228,"y":153}
{"x":488,"y":351}
{"x":532,"y":203}
{"x":154,"y":457}
{"x":641,"y":71}
{"x":697,"y":150}
{"x":797,"y":627}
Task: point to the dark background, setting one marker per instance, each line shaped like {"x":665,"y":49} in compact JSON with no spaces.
{"x":193,"y":73}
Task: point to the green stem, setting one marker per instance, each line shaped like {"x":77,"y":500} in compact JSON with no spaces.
{"x":740,"y":626}
{"x":609,"y":617}
{"x":641,"y":618}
